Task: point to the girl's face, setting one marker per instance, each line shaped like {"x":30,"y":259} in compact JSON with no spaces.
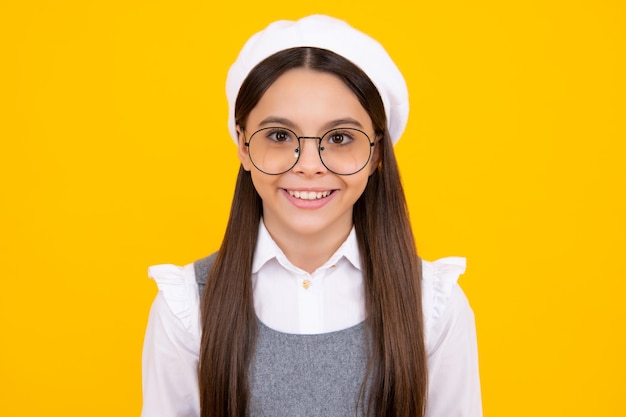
{"x":308,"y":199}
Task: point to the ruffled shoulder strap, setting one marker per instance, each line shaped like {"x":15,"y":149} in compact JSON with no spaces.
{"x":178,"y":286}
{"x":438,"y":281}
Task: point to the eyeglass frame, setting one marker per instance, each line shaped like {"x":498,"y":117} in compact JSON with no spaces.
{"x":319,"y":147}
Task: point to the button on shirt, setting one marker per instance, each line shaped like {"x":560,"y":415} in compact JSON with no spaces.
{"x":291,"y":300}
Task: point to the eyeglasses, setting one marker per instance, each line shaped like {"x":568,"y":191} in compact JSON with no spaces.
{"x":275,"y":150}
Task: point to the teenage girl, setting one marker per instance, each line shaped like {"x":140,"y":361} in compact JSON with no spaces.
{"x":316,"y":303}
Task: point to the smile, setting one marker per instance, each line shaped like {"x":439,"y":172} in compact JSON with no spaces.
{"x":309,"y":195}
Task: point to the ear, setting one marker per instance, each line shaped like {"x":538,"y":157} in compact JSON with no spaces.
{"x":376,"y":155}
{"x":242,"y":149}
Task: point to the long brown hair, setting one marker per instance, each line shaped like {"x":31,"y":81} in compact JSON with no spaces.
{"x":396,"y":372}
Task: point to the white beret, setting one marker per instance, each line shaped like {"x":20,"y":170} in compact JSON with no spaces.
{"x":337,"y":36}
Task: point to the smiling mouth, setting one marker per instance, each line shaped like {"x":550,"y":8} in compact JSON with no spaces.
{"x":309,"y":195}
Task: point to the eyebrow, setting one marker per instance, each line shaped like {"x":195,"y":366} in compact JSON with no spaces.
{"x":269,"y":121}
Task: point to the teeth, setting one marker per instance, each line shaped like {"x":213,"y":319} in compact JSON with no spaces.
{"x":309,"y":195}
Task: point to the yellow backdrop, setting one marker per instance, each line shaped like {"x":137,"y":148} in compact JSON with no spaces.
{"x":115,"y":155}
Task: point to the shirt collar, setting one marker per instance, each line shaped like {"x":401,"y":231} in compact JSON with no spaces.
{"x":266,"y":250}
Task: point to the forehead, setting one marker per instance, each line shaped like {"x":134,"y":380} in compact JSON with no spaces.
{"x":310,"y":100}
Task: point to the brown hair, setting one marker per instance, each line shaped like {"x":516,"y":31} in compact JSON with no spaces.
{"x":396,"y":372}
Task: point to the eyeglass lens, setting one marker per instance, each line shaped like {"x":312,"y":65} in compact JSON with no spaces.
{"x":275,"y":150}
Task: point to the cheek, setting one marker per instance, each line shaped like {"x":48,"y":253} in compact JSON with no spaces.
{"x":358,"y":184}
{"x":255,"y":181}
{"x":262,"y":184}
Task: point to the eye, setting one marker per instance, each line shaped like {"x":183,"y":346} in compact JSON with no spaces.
{"x":279,"y":135}
{"x":339,"y":137}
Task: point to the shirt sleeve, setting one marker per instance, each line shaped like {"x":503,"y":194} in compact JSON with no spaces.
{"x":454,"y":383}
{"x":171,"y":345}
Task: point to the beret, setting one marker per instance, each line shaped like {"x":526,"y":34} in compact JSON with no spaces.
{"x":325,"y":32}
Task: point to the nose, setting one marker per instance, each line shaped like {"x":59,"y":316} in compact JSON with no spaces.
{"x":309,"y":161}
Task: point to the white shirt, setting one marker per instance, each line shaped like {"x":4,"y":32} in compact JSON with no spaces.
{"x":291,"y":300}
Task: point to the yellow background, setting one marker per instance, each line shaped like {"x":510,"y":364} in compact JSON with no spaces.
{"x":115,"y":155}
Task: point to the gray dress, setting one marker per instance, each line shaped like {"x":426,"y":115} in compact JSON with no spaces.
{"x":303,"y":375}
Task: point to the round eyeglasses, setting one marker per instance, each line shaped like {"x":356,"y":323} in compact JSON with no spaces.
{"x":275,"y":150}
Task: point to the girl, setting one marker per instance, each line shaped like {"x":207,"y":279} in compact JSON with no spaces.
{"x":316,"y":303}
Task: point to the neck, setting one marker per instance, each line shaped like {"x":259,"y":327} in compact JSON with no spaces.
{"x":308,"y":251}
